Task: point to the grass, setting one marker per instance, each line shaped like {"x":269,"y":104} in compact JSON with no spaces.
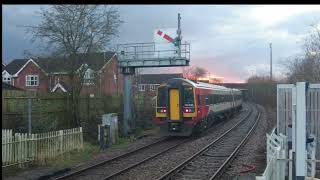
{"x":121,"y":143}
{"x":77,"y":156}
{"x":74,"y":157}
{"x":67,"y":160}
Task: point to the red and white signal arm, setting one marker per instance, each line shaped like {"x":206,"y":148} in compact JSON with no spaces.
{"x":164,"y":42}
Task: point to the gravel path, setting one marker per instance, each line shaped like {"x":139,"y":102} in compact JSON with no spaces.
{"x":165,"y":162}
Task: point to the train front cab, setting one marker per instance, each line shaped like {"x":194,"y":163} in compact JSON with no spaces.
{"x":176,"y":108}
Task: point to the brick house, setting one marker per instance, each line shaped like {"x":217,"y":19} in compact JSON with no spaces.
{"x":148,"y":83}
{"x":102,"y":74}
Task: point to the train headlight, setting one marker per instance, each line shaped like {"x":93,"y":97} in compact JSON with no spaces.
{"x":188,"y":110}
{"x":161,"y":110}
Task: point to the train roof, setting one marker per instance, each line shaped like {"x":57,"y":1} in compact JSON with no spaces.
{"x":206,"y":85}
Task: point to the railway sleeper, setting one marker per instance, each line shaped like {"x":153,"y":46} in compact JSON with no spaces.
{"x":214,"y":155}
{"x":180,"y":176}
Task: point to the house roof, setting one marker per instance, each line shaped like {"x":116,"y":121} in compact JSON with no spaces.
{"x":63,"y":86}
{"x":95,"y":61}
{"x":156,"y":78}
{"x":15,"y":65}
{"x":6,"y":86}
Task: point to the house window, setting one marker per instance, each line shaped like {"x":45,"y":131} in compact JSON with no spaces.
{"x":88,"y":77}
{"x":32,"y":80}
{"x":152,"y":87}
{"x":6,"y":80}
{"x":142,"y":87}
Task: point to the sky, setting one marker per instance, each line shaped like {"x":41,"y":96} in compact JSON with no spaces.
{"x":229,"y":41}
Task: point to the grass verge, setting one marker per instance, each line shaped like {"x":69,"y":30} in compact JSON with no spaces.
{"x":74,"y":157}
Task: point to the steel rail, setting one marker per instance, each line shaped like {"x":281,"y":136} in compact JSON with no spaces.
{"x":179,"y":167}
{"x":109,"y":160}
{"x":131,"y":152}
{"x":145,"y":160}
{"x":235,"y":152}
{"x":162,"y":152}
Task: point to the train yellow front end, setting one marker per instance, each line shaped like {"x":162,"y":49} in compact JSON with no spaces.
{"x":175,"y":108}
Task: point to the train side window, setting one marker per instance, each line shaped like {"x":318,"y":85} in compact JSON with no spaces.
{"x":207,"y":100}
{"x":188,"y":97}
{"x":162,"y":97}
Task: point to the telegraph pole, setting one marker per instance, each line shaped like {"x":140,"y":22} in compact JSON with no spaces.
{"x":270,"y":61}
{"x":179,"y":35}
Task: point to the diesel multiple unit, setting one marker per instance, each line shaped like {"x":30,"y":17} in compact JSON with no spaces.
{"x":184,"y":106}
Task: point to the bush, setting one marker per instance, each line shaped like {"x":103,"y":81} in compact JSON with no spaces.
{"x":262,"y":91}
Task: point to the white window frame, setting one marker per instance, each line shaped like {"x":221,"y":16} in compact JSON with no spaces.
{"x":88,"y":77}
{"x":6,"y":76}
{"x":142,"y":87}
{"x":152,"y":87}
{"x":7,"y":80}
{"x":38,"y":81}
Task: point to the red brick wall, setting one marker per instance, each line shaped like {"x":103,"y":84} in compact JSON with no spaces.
{"x":32,"y":69}
{"x":108,"y":84}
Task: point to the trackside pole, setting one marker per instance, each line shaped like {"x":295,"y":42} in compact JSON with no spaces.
{"x":127,"y":114}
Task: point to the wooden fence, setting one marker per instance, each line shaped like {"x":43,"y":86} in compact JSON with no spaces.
{"x":52,"y":111}
{"x":19,"y":148}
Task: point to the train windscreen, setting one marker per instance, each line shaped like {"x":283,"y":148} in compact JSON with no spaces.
{"x":162,"y":97}
{"x":188,"y":98}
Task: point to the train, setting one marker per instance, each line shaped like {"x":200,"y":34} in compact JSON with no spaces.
{"x":184,"y":107}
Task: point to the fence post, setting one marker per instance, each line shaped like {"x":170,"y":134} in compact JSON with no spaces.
{"x":290,"y":164}
{"x":313,"y":163}
{"x":81,"y":138}
{"x":61,"y":141}
{"x":29,"y":115}
{"x":301,"y":133}
{"x":19,"y":152}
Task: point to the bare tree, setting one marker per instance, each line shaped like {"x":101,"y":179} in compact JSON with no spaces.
{"x":73,"y":32}
{"x":193,"y":73}
{"x":307,"y":67}
{"x":312,"y":42}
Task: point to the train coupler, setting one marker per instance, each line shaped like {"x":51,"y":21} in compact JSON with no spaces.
{"x":175,"y":127}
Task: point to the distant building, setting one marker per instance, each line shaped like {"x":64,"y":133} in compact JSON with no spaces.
{"x":148,"y":83}
{"x":52,"y":74}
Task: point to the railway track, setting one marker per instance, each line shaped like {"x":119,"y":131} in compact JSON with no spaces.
{"x":211,"y":161}
{"x":111,"y":168}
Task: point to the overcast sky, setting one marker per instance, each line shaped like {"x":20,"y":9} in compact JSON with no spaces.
{"x":229,"y":41}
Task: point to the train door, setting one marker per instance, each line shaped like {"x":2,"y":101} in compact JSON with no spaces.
{"x":174,"y":104}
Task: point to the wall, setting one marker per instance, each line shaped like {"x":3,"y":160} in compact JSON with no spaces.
{"x":32,"y":69}
{"x":51,"y":111}
{"x":108,"y":84}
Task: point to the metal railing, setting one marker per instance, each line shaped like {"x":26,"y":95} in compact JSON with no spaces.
{"x":276,"y":152}
{"x":142,"y":51}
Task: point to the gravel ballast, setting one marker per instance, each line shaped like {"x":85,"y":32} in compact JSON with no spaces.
{"x":165,"y":162}
{"x":251,"y":160}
